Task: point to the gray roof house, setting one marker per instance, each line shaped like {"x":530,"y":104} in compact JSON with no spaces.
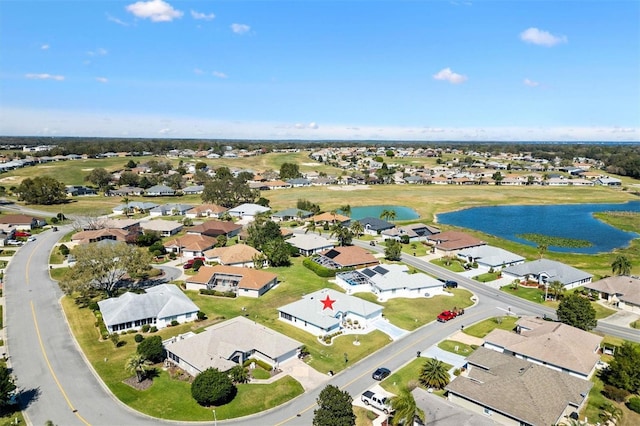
{"x":621,"y":291}
{"x":158,"y":306}
{"x":247,"y":210}
{"x":516,"y":392}
{"x":374,"y":226}
{"x":490,"y":257}
{"x":159,"y":191}
{"x":170,"y":209}
{"x":325,"y":311}
{"x":194,"y":189}
{"x":309,"y":244}
{"x":388,"y":281}
{"x":545,"y":271}
{"x":290,"y":214}
{"x":165,"y":228}
{"x":134,"y":206}
{"x":228,"y":344}
{"x":415,"y":232}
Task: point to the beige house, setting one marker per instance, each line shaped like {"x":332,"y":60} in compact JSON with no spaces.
{"x":190,"y":245}
{"x":239,"y":255}
{"x":243,"y":281}
{"x":621,"y":291}
{"x":449,"y":243}
{"x":206,"y":210}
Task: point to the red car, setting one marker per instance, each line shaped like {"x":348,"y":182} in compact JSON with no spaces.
{"x":189,"y":263}
{"x":446,"y":316}
{"x":23,"y":234}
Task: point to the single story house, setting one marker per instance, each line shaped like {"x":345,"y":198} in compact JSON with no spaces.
{"x":158,"y":306}
{"x":243,"y":281}
{"x":190,"y":245}
{"x":239,"y":255}
{"x":415,"y":232}
{"x":389,"y":281}
{"x":79,"y":190}
{"x":290,"y":214}
{"x":206,"y":210}
{"x":622,"y":291}
{"x":230,"y":343}
{"x":170,"y":210}
{"x":134,"y":207}
{"x":125,"y":191}
{"x":345,"y":257}
{"x":113,"y":234}
{"x":309,"y":244}
{"x":448,"y":243}
{"x":545,"y":271}
{"x":330,"y":218}
{"x":326,"y":311}
{"x":516,"y":392}
{"x":490,"y":257}
{"x":374,"y":226}
{"x":192,"y":190}
{"x":215,"y":228}
{"x":164,"y":228}
{"x":554,"y":345}
{"x":22,"y":222}
{"x":608,"y":181}
{"x":159,"y":191}
{"x":247,"y":211}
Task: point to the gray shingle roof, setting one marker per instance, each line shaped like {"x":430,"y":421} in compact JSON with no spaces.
{"x":555,"y":270}
{"x":493,"y":256}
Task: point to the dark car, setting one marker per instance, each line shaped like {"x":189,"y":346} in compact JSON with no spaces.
{"x":381,"y":373}
{"x":450,"y":284}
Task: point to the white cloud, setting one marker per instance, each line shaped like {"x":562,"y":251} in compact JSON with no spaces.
{"x":447,"y":75}
{"x":240,"y":28}
{"x":98,"y":52}
{"x":541,"y":38}
{"x":155,"y":10}
{"x":219,"y":74}
{"x":44,"y":76}
{"x":102,"y":79}
{"x":202,"y":16}
{"x":44,"y":47}
{"x":116,"y":20}
{"x":531,"y":83}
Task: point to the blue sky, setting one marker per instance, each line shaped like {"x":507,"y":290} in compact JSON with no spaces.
{"x":372,"y":70}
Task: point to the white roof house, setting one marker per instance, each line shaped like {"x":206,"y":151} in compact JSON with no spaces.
{"x":389,"y":281}
{"x":490,"y":257}
{"x":324,"y":311}
{"x":166,"y":228}
{"x":230,"y":343}
{"x":247,"y":210}
{"x":308,"y":244}
{"x":545,"y":271}
{"x":159,"y":306}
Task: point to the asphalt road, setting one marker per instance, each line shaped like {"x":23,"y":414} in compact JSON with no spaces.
{"x":56,"y":382}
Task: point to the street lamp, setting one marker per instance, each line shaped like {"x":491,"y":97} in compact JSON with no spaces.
{"x":215,"y":419}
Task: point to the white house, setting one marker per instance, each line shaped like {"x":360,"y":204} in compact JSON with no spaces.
{"x":546,"y":271}
{"x":247,"y":211}
{"x":309,"y":244}
{"x":490,"y":257}
{"x":165,"y":228}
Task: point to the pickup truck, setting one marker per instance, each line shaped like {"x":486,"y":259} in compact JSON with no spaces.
{"x":380,"y":402}
{"x":449,"y":315}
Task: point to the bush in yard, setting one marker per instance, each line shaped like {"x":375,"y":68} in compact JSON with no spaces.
{"x":634,"y":404}
{"x":153,"y":329}
{"x":174,"y":323}
{"x":213,"y":387}
{"x":151,"y":349}
{"x":614,"y":393}
{"x":138,"y":338}
{"x":201,"y":316}
{"x":145,"y":328}
{"x":64,"y":250}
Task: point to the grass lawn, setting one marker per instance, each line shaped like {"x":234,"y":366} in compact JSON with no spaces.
{"x":8,"y":416}
{"x":451,"y":345}
{"x":453,"y":266}
{"x":56,"y":258}
{"x":486,"y":277}
{"x":410,"y":371}
{"x":364,"y":417}
{"x":410,"y":314}
{"x":485,"y":327}
{"x":595,"y":400}
{"x":57,"y":273}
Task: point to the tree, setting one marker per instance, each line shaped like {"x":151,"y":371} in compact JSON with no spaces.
{"x":497,"y":177}
{"x":277,"y":252}
{"x":342,"y":234}
{"x":239,"y":374}
{"x":129,"y":179}
{"x":130,"y":164}
{"x":557,"y":288}
{"x":151,"y":349}
{"x":577,"y":311}
{"x":345,"y":210}
{"x":310,"y":226}
{"x":213,"y":387}
{"x":229,"y":191}
{"x":100,"y":178}
{"x":43,"y":190}
{"x":609,"y":413}
{"x":621,"y":265}
{"x":356,"y":228}
{"x":308,"y":205}
{"x":104,"y":266}
{"x":289,"y":171}
{"x":137,"y":365}
{"x":434,"y":374}
{"x":7,"y":386}
{"x":405,"y":407}
{"x":127,"y":206}
{"x":261,"y":231}
{"x":334,"y":408}
{"x":388,"y":214}
{"x":148,"y":239}
{"x":393,"y":250}
{"x":623,"y":371}
{"x":542,"y":249}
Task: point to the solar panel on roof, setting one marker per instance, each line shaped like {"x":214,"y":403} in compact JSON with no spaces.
{"x":331,"y":254}
{"x":368,"y":272}
{"x":380,"y":270}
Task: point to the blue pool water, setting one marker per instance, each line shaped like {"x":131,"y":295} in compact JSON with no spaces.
{"x":574,"y":221}
{"x":402,"y":213}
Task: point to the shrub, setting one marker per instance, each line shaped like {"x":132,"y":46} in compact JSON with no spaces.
{"x":213,"y":387}
{"x":262,"y":364}
{"x":145,"y":328}
{"x":152,"y":349}
{"x":138,"y":338}
{"x":153,"y":329}
{"x":614,"y":393}
{"x":174,"y":323}
{"x":634,"y":404}
{"x":64,"y":250}
{"x":197,"y":264}
{"x":201,"y":316}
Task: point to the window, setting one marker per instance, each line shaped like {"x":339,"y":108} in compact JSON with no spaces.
{"x":286,"y":316}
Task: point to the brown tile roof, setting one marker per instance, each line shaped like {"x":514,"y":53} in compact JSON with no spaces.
{"x":350,"y":256}
{"x":192,"y":242}
{"x":203,"y":208}
{"x":85,"y":237}
{"x":531,"y":393}
{"x":330,"y":217}
{"x":454,"y":240}
{"x":214,"y":227}
{"x":551,"y":342}
{"x":626,"y":289}
{"x":238,"y":253}
{"x":17,"y":219}
{"x":253,"y":279}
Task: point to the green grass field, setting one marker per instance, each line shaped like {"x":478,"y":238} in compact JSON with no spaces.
{"x":482,"y":328}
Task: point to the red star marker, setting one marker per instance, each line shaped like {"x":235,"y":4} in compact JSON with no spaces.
{"x":328,"y":303}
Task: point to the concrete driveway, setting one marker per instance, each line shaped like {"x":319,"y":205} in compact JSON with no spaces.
{"x":440,"y":412}
{"x":620,"y":318}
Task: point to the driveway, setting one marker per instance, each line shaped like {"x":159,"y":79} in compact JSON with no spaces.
{"x":620,"y":318}
{"x":440,"y":412}
{"x":450,"y":358}
{"x":391,"y":330}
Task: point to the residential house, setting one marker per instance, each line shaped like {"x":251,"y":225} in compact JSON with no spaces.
{"x":246,"y":282}
{"x":290,"y":214}
{"x":621,"y":291}
{"x":206,"y":210}
{"x":170,"y":210}
{"x":414,"y":231}
{"x":125,"y":191}
{"x":239,"y":255}
{"x":79,"y":190}
{"x":22,"y":222}
{"x":158,"y":306}
{"x":345,"y":257}
{"x":489,"y":257}
{"x":554,"y":345}
{"x":608,"y":181}
{"x":247,"y":211}
{"x":6,"y":233}
{"x":374,"y":226}
{"x":545,"y":271}
{"x":230,"y":343}
{"x":193,"y":190}
{"x":389,"y":281}
{"x":111,"y":234}
{"x":327,"y":311}
{"x":330,"y":218}
{"x":309,"y":244}
{"x":516,"y":392}
{"x":164,"y":228}
{"x":449,"y":243}
{"x":134,"y":207}
{"x":215,"y":228}
{"x":190,"y":245}
{"x":159,"y":191}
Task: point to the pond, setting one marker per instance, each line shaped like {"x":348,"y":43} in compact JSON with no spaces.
{"x":573,"y":221}
{"x":402,"y":213}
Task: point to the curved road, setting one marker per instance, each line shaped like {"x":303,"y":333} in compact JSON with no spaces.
{"x":56,"y":382}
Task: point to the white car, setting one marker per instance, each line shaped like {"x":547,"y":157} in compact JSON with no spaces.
{"x":31,"y":239}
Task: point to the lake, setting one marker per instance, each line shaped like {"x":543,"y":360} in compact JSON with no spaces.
{"x":573,"y":221}
{"x":402,"y":213}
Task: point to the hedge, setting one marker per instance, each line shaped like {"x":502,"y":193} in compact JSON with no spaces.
{"x":322,"y":271}
{"x":207,"y":292}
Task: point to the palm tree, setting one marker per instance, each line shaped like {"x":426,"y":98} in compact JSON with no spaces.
{"x":609,"y":413}
{"x":621,"y":265}
{"x":406,"y":409}
{"x":346,"y":210}
{"x":542,"y":249}
{"x":127,"y":209}
{"x":357,"y":228}
{"x":137,"y":364}
{"x":310,"y":226}
{"x":434,"y":374}
{"x":388,"y":214}
{"x":342,"y":234}
{"x":556,"y":288}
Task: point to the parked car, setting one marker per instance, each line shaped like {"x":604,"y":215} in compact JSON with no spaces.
{"x":14,"y":242}
{"x":449,"y":315}
{"x":450,"y":284}
{"x":22,"y":234}
{"x":373,"y":399}
{"x":31,"y":239}
{"x":381,"y":373}
{"x":189,"y":263}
